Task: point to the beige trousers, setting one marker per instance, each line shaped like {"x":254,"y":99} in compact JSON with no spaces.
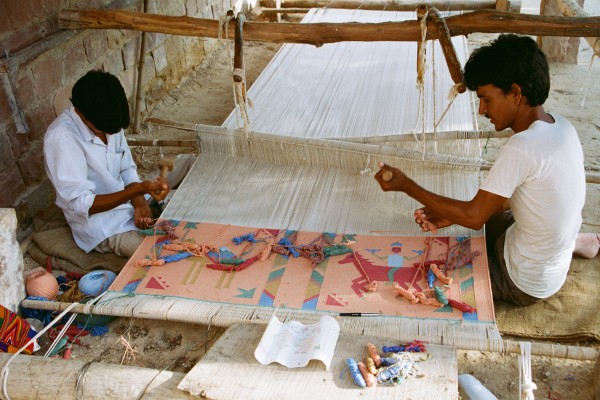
{"x":122,"y":244}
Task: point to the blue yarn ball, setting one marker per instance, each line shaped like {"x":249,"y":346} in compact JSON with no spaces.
{"x":96,"y":282}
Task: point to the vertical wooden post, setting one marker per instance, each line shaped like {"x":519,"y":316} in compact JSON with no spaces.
{"x":448,"y":49}
{"x":139,"y":93}
{"x":238,"y":55}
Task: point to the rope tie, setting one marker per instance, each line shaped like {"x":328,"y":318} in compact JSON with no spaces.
{"x":224,"y":24}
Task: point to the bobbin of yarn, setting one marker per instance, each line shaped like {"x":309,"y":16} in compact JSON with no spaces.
{"x":96,"y":282}
{"x":43,"y":284}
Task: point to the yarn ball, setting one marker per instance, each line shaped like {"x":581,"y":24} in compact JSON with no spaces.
{"x":96,"y":282}
{"x":42,"y":284}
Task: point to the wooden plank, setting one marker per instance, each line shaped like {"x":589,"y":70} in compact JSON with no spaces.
{"x":321,"y":33}
{"x":229,"y":370}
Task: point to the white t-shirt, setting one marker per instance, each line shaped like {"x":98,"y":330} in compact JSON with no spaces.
{"x":80,"y":166}
{"x":541,"y":170}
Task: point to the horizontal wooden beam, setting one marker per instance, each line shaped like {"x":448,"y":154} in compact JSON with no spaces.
{"x":134,"y":142}
{"x":35,"y":377}
{"x":404,"y":5}
{"x":541,"y":349}
{"x":320,"y":33}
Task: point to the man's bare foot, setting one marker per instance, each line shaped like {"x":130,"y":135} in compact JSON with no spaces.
{"x":587,"y":245}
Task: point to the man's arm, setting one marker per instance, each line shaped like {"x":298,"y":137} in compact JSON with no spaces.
{"x":104,"y":202}
{"x":472,"y":214}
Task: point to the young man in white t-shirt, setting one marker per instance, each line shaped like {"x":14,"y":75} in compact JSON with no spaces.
{"x":532,"y":198}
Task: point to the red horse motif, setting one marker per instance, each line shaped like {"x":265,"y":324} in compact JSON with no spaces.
{"x":379,"y":273}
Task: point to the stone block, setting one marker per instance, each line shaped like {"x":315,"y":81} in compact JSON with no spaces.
{"x":95,"y":45}
{"x":31,"y":164}
{"x":62,"y":99}
{"x":74,"y":59}
{"x":19,"y":141}
{"x":558,"y":49}
{"x":154,"y":40}
{"x":128,"y":80}
{"x":12,"y":285}
{"x":12,"y":186}
{"x":19,"y":13}
{"x":5,"y":111}
{"x":39,"y":118}
{"x":149,"y":71}
{"x":131,"y":52}
{"x":160,"y":58}
{"x":24,"y":88}
{"x":47,"y":74}
{"x":32,"y":200}
{"x":6,"y":156}
{"x":115,"y":39}
{"x":114,"y":62}
{"x":191,"y":7}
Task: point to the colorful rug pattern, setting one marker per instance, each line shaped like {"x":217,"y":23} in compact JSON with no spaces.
{"x":338,"y":283}
{"x":15,"y":332}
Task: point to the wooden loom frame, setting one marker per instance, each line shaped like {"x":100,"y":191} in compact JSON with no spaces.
{"x":495,"y":22}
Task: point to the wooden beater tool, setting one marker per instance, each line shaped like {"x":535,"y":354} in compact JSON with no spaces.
{"x":165,"y":166}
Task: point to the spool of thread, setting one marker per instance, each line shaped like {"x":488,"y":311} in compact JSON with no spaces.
{"x":42,"y":284}
{"x":96,"y":282}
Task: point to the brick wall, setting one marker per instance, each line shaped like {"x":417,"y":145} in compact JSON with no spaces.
{"x":44,"y":62}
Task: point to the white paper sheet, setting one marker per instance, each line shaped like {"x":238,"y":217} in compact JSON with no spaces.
{"x":294,"y":344}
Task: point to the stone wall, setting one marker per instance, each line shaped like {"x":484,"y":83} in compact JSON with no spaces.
{"x":42,"y":62}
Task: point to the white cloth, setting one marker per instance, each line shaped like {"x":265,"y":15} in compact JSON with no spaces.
{"x":80,"y":166}
{"x":541,"y":170}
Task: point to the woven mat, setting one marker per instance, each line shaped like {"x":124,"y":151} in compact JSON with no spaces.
{"x":571,"y":314}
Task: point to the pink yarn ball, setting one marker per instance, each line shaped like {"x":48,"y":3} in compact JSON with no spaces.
{"x":42,"y":284}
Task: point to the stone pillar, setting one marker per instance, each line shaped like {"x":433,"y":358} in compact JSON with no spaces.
{"x":12,"y":285}
{"x":559,"y":49}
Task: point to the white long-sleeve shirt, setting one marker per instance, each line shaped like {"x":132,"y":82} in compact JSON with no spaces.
{"x":81,"y":166}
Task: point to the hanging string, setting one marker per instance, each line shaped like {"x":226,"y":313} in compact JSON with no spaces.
{"x":421,"y":68}
{"x":452,"y":95}
{"x":526,"y":385}
{"x":586,"y":87}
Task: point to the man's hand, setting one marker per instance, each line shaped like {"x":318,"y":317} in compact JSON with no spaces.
{"x":391,"y":179}
{"x":157,"y":188}
{"x":142,"y":215}
{"x":429,"y":222}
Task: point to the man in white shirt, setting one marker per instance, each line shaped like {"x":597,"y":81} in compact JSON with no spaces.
{"x":90,"y":165}
{"x":538,"y":175}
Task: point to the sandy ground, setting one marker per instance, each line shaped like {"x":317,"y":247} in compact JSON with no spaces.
{"x":206,"y":97}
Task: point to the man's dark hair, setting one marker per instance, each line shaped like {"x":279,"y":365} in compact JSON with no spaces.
{"x":507,"y":60}
{"x":100,"y":97}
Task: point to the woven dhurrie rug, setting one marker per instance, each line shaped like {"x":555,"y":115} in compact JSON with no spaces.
{"x":335,"y":281}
